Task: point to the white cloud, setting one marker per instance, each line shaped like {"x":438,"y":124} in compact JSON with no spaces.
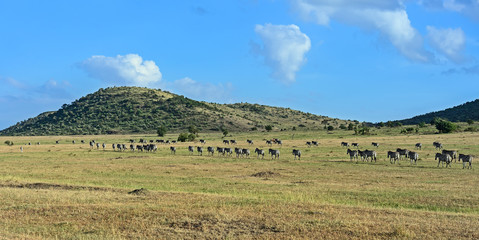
{"x":203,"y":91}
{"x":129,"y":69}
{"x":388,"y":17}
{"x":284,"y":49}
{"x":469,"y":8}
{"x":448,"y":41}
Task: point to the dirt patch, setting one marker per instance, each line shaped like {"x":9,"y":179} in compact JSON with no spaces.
{"x":140,"y":191}
{"x":266,"y":174}
{"x":52,"y":186}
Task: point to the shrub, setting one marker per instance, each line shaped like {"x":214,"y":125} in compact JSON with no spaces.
{"x":161,"y":131}
{"x":9,"y":143}
{"x":268,"y":128}
{"x":470,"y":121}
{"x":330,"y":128}
{"x":342,"y":126}
{"x":445,"y":126}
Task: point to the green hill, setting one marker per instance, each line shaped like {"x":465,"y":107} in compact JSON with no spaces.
{"x":121,"y":110}
{"x":461,"y":113}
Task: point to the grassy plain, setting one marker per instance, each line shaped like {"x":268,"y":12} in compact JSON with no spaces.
{"x":69,"y":191}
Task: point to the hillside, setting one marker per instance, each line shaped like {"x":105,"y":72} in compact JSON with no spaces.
{"x":120,"y":110}
{"x":461,"y":113}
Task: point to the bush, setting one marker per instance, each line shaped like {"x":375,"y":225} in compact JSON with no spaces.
{"x":445,"y":126}
{"x":421,"y":124}
{"x":342,"y":126}
{"x":470,"y":129}
{"x":9,"y":143}
{"x":268,"y":128}
{"x":350,"y":126}
{"x":470,"y":121}
{"x":330,"y":128}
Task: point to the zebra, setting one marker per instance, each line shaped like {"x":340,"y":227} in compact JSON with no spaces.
{"x":139,"y":148}
{"x":211,"y":150}
{"x":274,"y":153}
{"x":167,"y":142}
{"x":466,"y":159}
{"x":202,"y":141}
{"x":297,"y":153}
{"x":191,"y":150}
{"x":226,"y":142}
{"x":355,"y":145}
{"x":268,"y":142}
{"x":353,"y":154}
{"x":314,"y":143}
{"x":444,"y":158}
{"x":152,"y":141}
{"x":21,"y":148}
{"x":259,"y":152}
{"x":118,"y":146}
{"x":103,"y":145}
{"x":56,"y":142}
{"x":245,"y":152}
{"x":402,"y":152}
{"x":370,"y":154}
{"x":452,"y":153}
{"x":82,"y":141}
{"x":375,"y":144}
{"x":132,"y":140}
{"x":233,"y":141}
{"x":173,"y":141}
{"x":97,"y":146}
{"x":437,"y":145}
{"x":393,"y":156}
{"x":141,"y":140}
{"x":132,"y":147}
{"x":238,"y":152}
{"x":220,"y":150}
{"x":91,"y":144}
{"x":113,"y":146}
{"x":173,"y":150}
{"x":199,"y":150}
{"x":308,"y":144}
{"x":419,"y":146}
{"x":344,"y":144}
{"x":413,"y":156}
{"x":250,"y":142}
{"x":279,"y":142}
{"x":228,"y":151}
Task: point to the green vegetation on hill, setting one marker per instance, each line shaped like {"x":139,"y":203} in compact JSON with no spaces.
{"x":461,"y":113}
{"x":121,"y":110}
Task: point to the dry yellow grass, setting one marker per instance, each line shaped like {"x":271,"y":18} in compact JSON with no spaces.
{"x":82,"y":193}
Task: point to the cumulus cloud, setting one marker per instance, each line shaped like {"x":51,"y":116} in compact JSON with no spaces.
{"x":284,"y":48}
{"x":388,"y":17}
{"x":129,"y":69}
{"x":448,"y":41}
{"x":203,"y":91}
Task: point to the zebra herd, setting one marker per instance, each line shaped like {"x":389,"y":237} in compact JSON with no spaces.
{"x":445,"y":156}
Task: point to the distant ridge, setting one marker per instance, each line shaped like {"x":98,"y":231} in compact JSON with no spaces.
{"x":123,"y":110}
{"x":460,"y":113}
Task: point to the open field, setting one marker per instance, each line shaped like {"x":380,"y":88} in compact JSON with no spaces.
{"x":69,"y":191}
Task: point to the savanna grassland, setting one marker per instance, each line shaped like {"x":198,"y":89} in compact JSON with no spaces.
{"x":69,"y":191}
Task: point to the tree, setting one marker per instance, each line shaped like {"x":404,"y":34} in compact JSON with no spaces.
{"x":224,"y":131}
{"x":470,"y":121}
{"x":161,"y":131}
{"x":183,"y":137}
{"x":350,"y":126}
{"x":268,"y":128}
{"x":330,"y":128}
{"x":193,"y":129}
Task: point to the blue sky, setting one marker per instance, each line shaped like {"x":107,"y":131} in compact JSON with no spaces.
{"x":369,"y":60}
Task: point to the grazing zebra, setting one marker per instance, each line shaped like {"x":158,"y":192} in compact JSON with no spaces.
{"x":118,"y":146}
{"x":233,"y":141}
{"x":226,"y":142}
{"x":250,"y":142}
{"x":97,"y":146}
{"x":21,"y":149}
{"x":141,"y":140}
{"x":161,"y":141}
{"x":437,"y":145}
{"x":211,"y":150}
{"x":153,"y":147}
{"x":370,"y":154}
{"x":375,"y":144}
{"x":274,"y":153}
{"x":418,"y":146}
{"x":452,"y":153}
{"x":173,"y":150}
{"x":444,"y":158}
{"x":268,"y":142}
{"x":123,"y":147}
{"x":228,"y":151}
{"x":132,"y":147}
{"x":56,"y":142}
{"x":132,"y":140}
{"x":355,"y":145}
{"x":353,"y":154}
{"x":308,"y":144}
{"x":152,"y":141}
{"x":413,"y":156}
{"x":202,"y":141}
{"x":465,"y":159}
{"x":167,"y":142}
{"x":91,"y":144}
{"x":314,"y":143}
{"x":297,"y":153}
{"x":82,"y":141}
{"x":220,"y":150}
{"x":173,"y":141}
{"x":191,"y":150}
{"x":279,"y":142}
{"x":199,"y":150}
{"x":139,"y":148}
{"x":344,"y":144}
{"x":113,"y":146}
{"x":393,"y":156}
{"x":245,"y":152}
{"x":259,"y":152}
{"x":103,"y":145}
{"x":402,"y":152}
{"x":38,"y":143}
